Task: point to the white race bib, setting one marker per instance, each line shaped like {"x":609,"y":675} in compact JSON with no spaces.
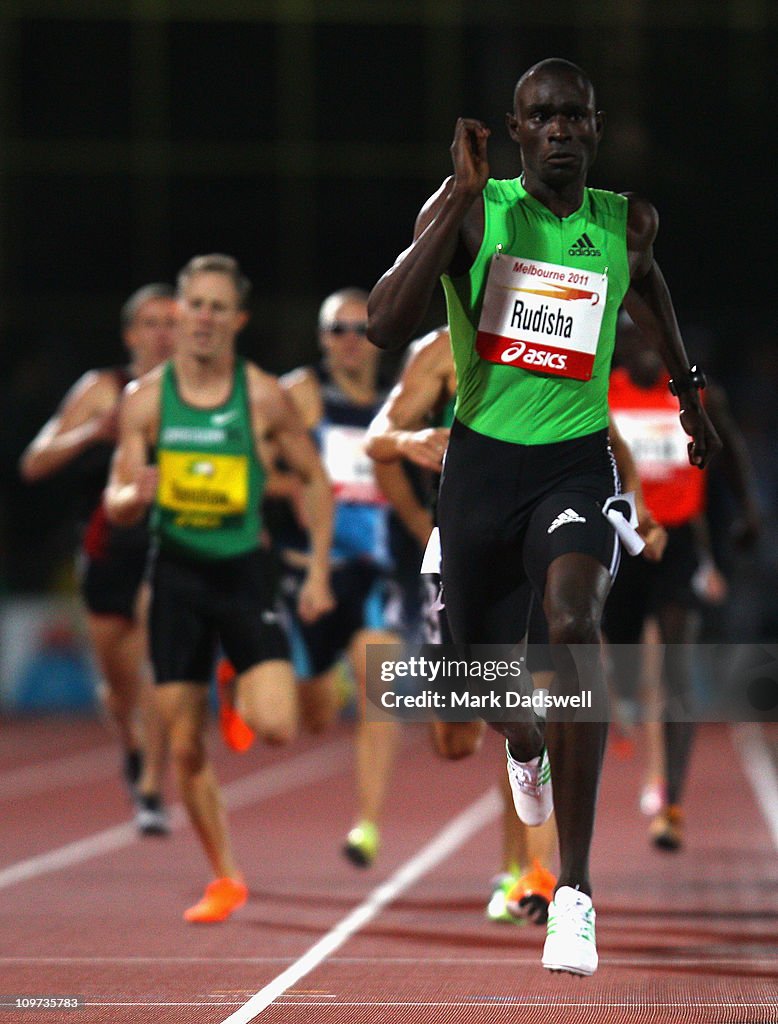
{"x":349,"y":467}
{"x":541,"y":316}
{"x":658,"y":442}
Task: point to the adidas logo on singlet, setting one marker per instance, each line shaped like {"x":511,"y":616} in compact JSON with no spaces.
{"x":568,"y":516}
{"x":583,"y":247}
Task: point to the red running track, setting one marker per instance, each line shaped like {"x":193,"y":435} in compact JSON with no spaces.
{"x":88,"y":909}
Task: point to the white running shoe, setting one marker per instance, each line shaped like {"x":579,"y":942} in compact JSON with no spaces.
{"x":497,"y":908}
{"x":530,"y":782}
{"x":151,"y":818}
{"x":570,"y":942}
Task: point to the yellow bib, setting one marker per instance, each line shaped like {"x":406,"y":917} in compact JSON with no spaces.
{"x":196,"y":482}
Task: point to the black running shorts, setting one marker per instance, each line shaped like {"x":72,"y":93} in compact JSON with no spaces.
{"x":506,"y":512}
{"x":365,"y":598}
{"x":196,"y":604}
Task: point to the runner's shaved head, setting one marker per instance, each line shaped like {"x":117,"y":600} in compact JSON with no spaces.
{"x":554,"y":66}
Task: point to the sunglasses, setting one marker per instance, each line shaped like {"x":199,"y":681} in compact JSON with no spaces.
{"x":343,"y":327}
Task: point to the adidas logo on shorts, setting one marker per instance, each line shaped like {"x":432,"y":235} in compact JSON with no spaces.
{"x":568,"y":516}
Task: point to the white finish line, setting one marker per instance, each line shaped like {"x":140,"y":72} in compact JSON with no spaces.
{"x":457,"y":832}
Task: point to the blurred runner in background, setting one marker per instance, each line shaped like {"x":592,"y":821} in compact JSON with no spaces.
{"x":113,"y":559}
{"x":669,"y":591}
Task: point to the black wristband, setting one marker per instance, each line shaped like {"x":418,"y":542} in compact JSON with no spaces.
{"x":693,"y":379}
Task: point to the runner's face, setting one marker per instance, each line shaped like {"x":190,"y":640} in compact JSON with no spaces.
{"x":557,"y":127}
{"x":209,"y":315}
{"x":344,"y":340}
{"x":150,"y":336}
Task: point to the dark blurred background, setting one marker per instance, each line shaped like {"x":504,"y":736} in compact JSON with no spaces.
{"x":302,"y":136}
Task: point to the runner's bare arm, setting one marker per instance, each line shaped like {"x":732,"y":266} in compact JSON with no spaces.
{"x":132,"y":484}
{"x":400,"y":428}
{"x":275,"y":414}
{"x":445,"y":227}
{"x":649,"y":304}
{"x":303,"y":387}
{"x":86,"y":416}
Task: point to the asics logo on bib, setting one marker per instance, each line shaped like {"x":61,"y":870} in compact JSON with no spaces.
{"x":584,"y":247}
{"x":568,"y":516}
{"x":536,"y":357}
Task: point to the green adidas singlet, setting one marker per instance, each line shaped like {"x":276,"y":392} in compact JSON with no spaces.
{"x":509,"y":402}
{"x":446,"y":416}
{"x":210,"y":479}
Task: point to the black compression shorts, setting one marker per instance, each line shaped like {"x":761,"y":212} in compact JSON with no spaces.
{"x":506,"y":512}
{"x":436,"y":630}
{"x":197,"y":603}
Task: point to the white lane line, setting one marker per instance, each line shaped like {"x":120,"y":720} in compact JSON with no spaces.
{"x":60,"y":772}
{"x":518,"y":1001}
{"x":457,"y":832}
{"x":260,"y":785}
{"x":550,"y":1003}
{"x":492,"y":961}
{"x":760,"y":771}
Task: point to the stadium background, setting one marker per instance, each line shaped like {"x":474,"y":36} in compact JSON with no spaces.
{"x":302,"y":136}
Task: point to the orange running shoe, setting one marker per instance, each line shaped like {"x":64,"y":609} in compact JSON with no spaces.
{"x":236,"y":734}
{"x":220,"y":899}
{"x":666,"y":830}
{"x":531,"y":894}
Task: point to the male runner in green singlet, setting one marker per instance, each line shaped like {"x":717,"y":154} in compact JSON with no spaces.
{"x":412,"y":426}
{"x":534,"y":271}
{"x":212,"y":417}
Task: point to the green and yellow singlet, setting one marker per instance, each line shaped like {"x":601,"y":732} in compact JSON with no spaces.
{"x":210,"y":479}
